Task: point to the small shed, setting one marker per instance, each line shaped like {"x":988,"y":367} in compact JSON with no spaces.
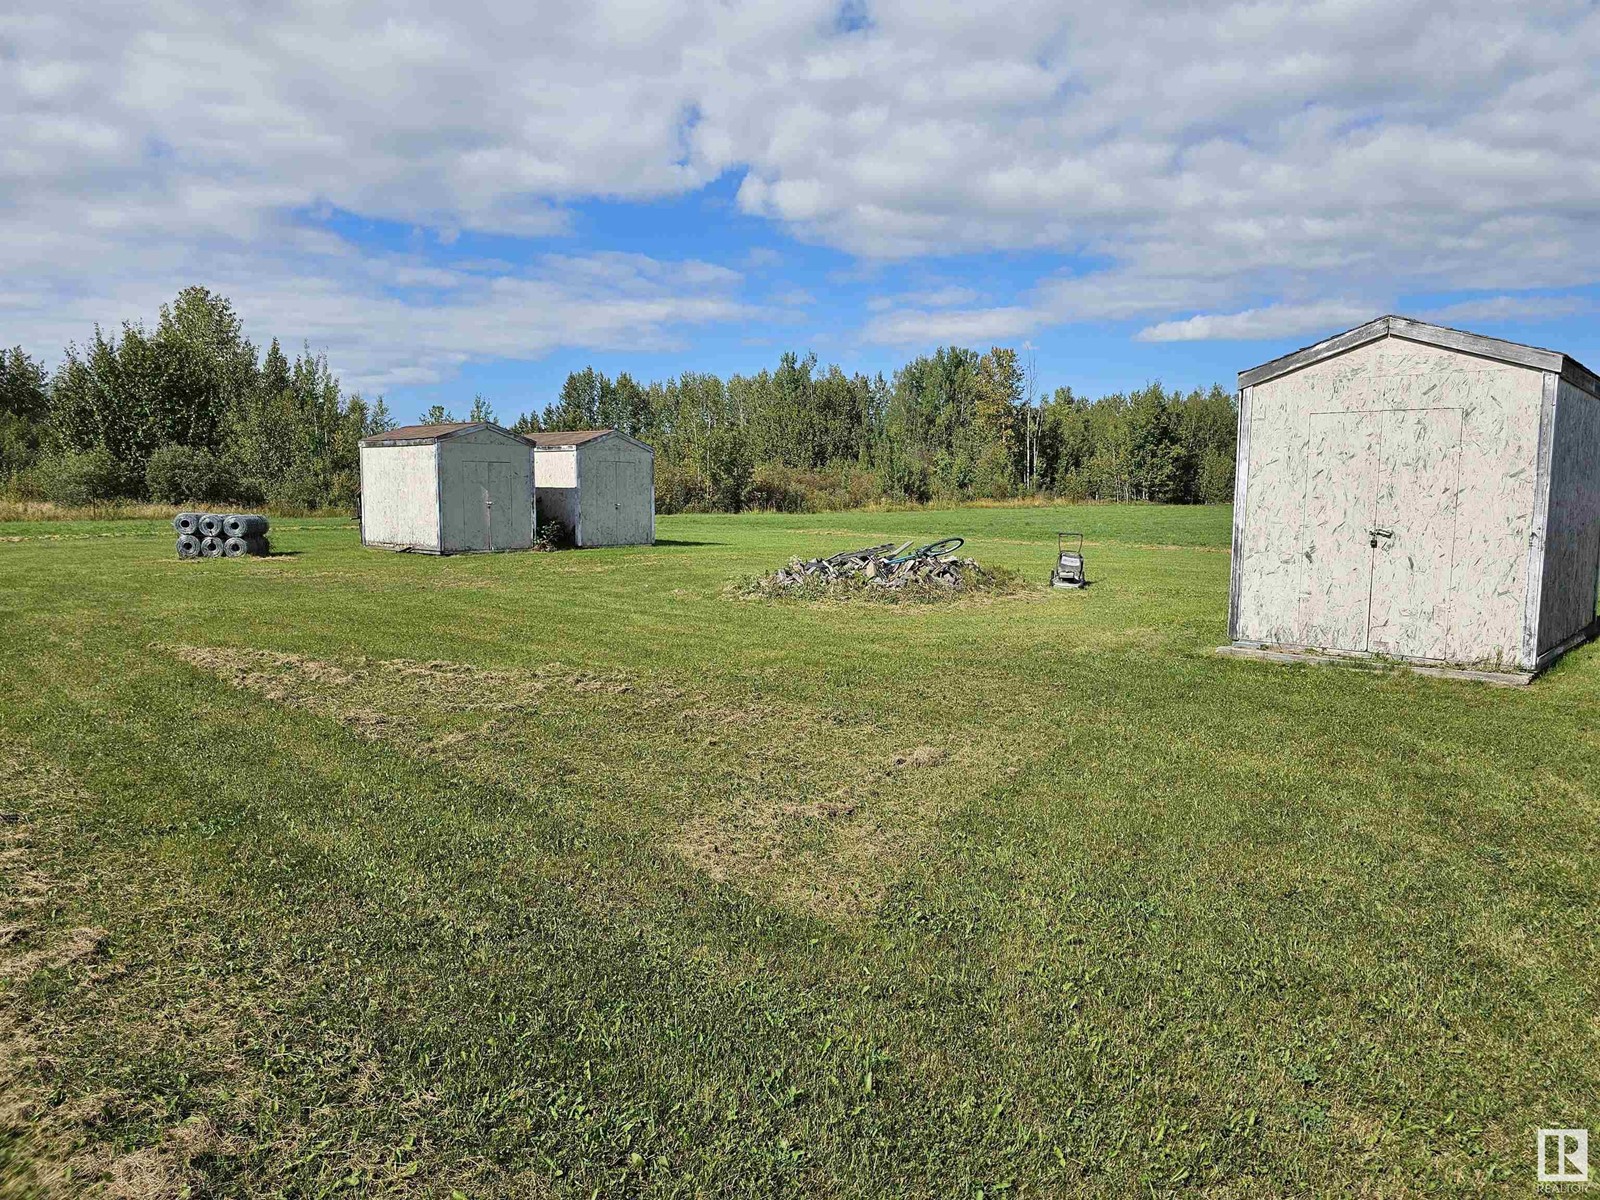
{"x":599,"y":483}
{"x":1419,"y":493}
{"x":457,"y":488}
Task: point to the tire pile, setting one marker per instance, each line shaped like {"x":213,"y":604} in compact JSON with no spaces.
{"x":219,"y":535}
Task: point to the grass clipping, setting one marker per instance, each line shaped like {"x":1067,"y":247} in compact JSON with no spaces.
{"x":914,"y":581}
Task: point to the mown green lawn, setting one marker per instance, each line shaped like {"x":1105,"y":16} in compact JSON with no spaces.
{"x":353,"y":873}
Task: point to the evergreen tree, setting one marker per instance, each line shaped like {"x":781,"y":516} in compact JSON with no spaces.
{"x":578,"y":405}
{"x":379,"y":419}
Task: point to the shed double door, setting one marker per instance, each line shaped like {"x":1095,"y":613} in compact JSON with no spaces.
{"x":617,"y":513}
{"x":1380,"y":522}
{"x":486,"y":505}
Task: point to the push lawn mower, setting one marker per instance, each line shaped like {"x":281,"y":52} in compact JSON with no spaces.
{"x":1068,"y":571}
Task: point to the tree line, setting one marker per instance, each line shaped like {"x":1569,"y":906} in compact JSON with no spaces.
{"x":955,"y":424}
{"x":189,"y":411}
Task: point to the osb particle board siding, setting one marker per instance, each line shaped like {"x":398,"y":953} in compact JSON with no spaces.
{"x":399,"y":496}
{"x":1572,"y":545}
{"x":1412,"y":591}
{"x":1283,"y":600}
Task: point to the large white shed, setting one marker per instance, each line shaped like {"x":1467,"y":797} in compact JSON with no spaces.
{"x":1420,"y":493}
{"x":599,"y":483}
{"x":456,"y":488}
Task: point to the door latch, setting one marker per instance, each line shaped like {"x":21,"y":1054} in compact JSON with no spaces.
{"x":1379,"y":531}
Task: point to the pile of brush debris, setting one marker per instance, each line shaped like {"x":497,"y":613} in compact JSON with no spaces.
{"x":886,"y":570}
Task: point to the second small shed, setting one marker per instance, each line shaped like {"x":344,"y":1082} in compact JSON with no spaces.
{"x":598,"y":483}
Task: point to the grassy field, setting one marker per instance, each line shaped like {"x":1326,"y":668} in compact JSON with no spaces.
{"x":351,"y":873}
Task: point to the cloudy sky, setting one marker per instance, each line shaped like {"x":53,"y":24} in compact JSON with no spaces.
{"x":480,"y":197}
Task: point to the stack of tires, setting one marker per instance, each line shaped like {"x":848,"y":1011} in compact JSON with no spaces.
{"x":218,"y":535}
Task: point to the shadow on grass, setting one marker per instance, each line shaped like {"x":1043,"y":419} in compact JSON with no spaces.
{"x":678,"y":542}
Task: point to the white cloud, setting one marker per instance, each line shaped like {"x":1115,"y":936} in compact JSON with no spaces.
{"x":1244,"y":161}
{"x":945,"y":296}
{"x":389,"y":320}
{"x":919,"y":327}
{"x":1281,"y":320}
{"x":761,"y":258}
{"x":1511,"y":308}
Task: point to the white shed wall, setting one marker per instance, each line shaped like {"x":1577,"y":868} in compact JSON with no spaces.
{"x":555,"y":468}
{"x":486,"y":482}
{"x":1572,"y":541}
{"x":399,"y":497}
{"x":555,"y":480}
{"x":1360,"y":440}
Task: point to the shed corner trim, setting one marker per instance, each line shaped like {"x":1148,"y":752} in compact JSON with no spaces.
{"x":1339,"y":343}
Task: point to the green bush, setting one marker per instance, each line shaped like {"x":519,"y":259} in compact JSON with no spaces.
{"x":992,"y":473}
{"x":19,"y":444}
{"x":188,"y":475}
{"x":301,"y":489}
{"x":1074,"y":486}
{"x":774,"y":487}
{"x":306,"y":489}
{"x":86,"y":477}
{"x":26,"y":483}
{"x":681,"y":488}
{"x":1214,"y":482}
{"x":908,"y":479}
{"x":729,"y":469}
{"x":777,"y":488}
{"x":344,"y":490}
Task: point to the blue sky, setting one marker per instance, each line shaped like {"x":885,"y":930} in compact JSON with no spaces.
{"x":483,"y":198}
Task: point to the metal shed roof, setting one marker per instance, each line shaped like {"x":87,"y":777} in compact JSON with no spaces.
{"x":413,"y":435}
{"x":1431,"y":335}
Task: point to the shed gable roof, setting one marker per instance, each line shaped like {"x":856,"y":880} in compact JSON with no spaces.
{"x":557,"y":439}
{"x":1429,"y":335}
{"x":566,"y":437}
{"x":412,"y":435}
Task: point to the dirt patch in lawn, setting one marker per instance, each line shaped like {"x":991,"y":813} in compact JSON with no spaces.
{"x":811,"y":808}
